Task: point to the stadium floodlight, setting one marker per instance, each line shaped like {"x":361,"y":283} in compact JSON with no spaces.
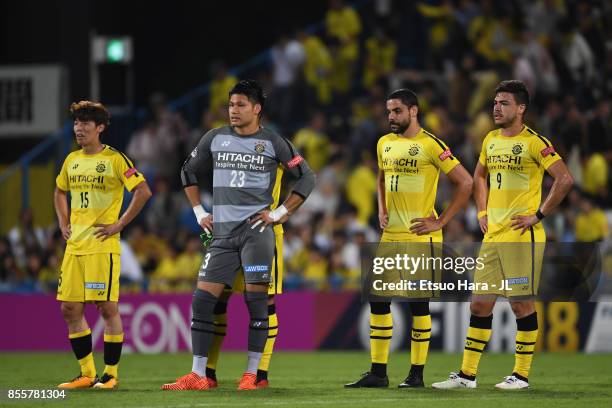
{"x":111,"y":57}
{"x":116,"y":50}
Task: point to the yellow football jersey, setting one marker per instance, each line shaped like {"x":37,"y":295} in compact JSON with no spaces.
{"x":412,"y":167}
{"x":516,"y":167}
{"x":95,"y":183}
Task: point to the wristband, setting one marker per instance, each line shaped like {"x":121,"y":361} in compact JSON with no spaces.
{"x":481,"y":214}
{"x":278,"y":213}
{"x":539,"y":215}
{"x":200,"y":213}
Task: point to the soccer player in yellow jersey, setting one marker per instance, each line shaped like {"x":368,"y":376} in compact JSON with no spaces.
{"x":95,"y":176}
{"x":513,"y":158}
{"x":409,"y":161}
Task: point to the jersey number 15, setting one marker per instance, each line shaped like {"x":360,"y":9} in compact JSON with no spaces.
{"x":84,"y":199}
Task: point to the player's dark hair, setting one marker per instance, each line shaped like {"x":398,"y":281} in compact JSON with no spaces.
{"x":252,"y":90}
{"x":405,"y":95}
{"x":86,"y":111}
{"x":516,"y":88}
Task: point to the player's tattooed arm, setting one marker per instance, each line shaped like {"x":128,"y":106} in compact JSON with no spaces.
{"x":60,"y":202}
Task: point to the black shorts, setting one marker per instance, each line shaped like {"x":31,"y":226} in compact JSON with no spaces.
{"x":248,"y":248}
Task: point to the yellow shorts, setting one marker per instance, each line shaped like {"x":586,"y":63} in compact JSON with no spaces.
{"x":275,"y":287}
{"x":512,"y":264}
{"x":89,"y":278}
{"x":423,"y":249}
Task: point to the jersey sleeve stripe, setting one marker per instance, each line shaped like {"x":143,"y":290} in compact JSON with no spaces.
{"x":546,"y":142}
{"x":439,"y":142}
{"x":127,"y":161}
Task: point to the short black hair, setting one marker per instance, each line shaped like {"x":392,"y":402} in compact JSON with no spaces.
{"x":516,"y":88}
{"x":405,"y":95}
{"x":252,"y":90}
{"x":86,"y":111}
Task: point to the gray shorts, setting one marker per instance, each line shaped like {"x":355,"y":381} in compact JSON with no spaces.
{"x":250,"y":249}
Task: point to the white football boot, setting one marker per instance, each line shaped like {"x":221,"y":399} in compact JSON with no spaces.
{"x":512,"y":383}
{"x":454,"y":381}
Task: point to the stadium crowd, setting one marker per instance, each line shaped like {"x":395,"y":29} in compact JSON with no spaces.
{"x":327,"y":91}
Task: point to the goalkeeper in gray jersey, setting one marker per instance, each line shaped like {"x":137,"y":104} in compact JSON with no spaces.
{"x":245,"y":158}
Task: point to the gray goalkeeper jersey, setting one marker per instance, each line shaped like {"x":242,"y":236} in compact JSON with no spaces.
{"x":244,"y":173}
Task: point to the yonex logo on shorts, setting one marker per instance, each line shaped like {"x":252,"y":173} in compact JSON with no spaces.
{"x":518,"y":281}
{"x":95,"y":285}
{"x":256,"y":268}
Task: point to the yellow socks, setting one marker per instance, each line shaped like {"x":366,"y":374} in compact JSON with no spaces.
{"x":82,"y":345}
{"x":113,"y":343}
{"x":264,"y":364}
{"x":381,"y":331}
{"x":478,"y":336}
{"x":526,"y":337}
{"x":419,"y":342}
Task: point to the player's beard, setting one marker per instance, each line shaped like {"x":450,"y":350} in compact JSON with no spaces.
{"x":507,"y":121}
{"x":400,"y":128}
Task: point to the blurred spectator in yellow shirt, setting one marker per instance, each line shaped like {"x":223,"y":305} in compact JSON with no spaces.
{"x":50,"y":272}
{"x":342,"y":21}
{"x":361,"y":188}
{"x":166,"y":276}
{"x":313,"y":142}
{"x":381,"y":52}
{"x":220,"y":86}
{"x":591,"y":222}
{"x":317,"y":67}
{"x":343,"y":27}
{"x":595,"y":175}
{"x":315,"y":272}
{"x":188,"y":264}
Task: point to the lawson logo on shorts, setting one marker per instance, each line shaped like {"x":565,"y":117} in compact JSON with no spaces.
{"x":256,"y":268}
{"x":95,"y":285}
{"x":518,"y":281}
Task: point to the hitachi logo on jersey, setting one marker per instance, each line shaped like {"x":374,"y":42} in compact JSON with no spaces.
{"x":400,"y":162}
{"x":241,"y":157}
{"x":82,"y":178}
{"x":504,"y":158}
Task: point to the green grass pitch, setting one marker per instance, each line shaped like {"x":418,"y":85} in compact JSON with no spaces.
{"x":315,"y":379}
